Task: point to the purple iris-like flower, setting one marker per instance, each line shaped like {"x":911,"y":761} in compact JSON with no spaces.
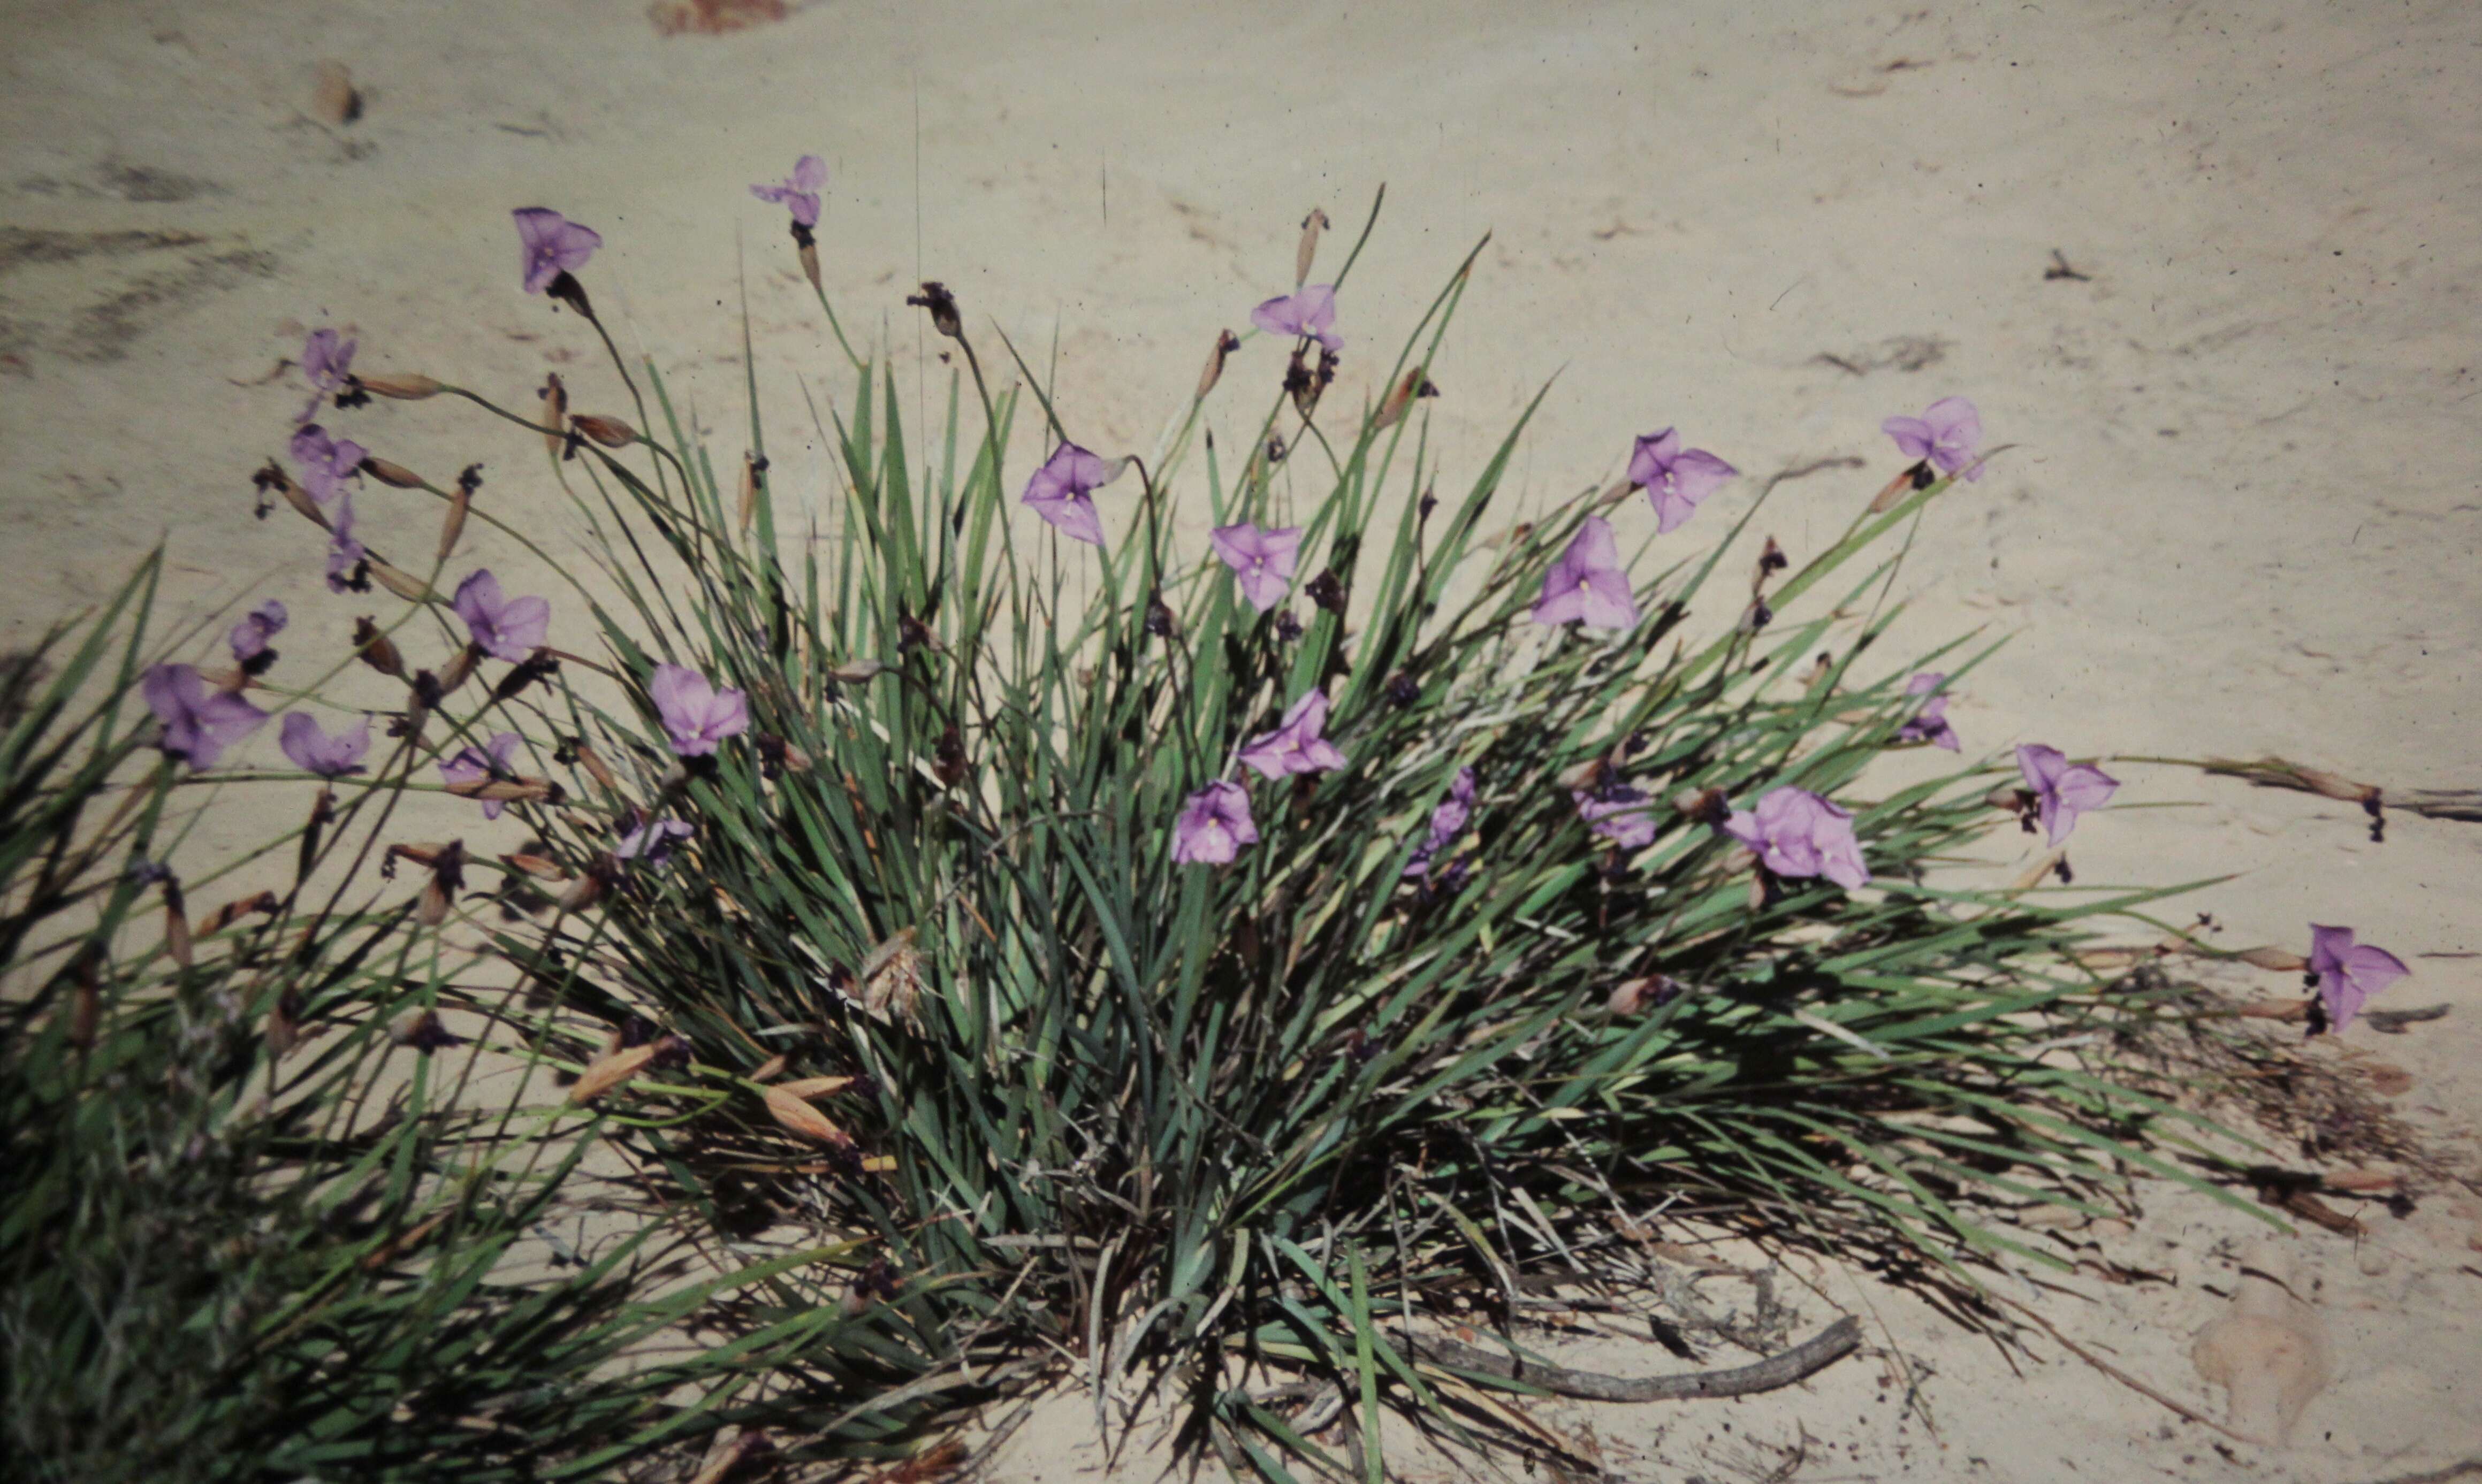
{"x":1930,"y":723}
{"x":2063,"y":791}
{"x":1619,"y":812}
{"x":1946,"y":433}
{"x":345,"y":555}
{"x":2348,"y":974}
{"x":313,"y":750}
{"x":1675,"y":478}
{"x":326,"y":360}
{"x":1798,"y":833}
{"x":250,"y":637}
{"x":1213,"y":826}
{"x":510,"y":629}
{"x":1448,"y":819}
{"x":694,"y":711}
{"x":1261,"y":561}
{"x":479,"y":764}
{"x":200,"y":721}
{"x":1587,"y":582}
{"x":1309,"y":311}
{"x":326,"y":462}
{"x":652,"y":841}
{"x":552,"y":244}
{"x":800,"y":192}
{"x":1059,"y":492}
{"x":1296,"y":746}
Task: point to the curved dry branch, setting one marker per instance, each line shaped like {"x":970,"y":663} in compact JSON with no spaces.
{"x":1803,"y":1361}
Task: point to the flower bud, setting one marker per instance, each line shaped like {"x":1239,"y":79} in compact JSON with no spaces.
{"x":1412,"y":385}
{"x":555,"y":411}
{"x":942,"y":305}
{"x":393,"y":475}
{"x":405,"y":584}
{"x":1308,"y":252}
{"x":799,"y":1118}
{"x":406,"y":388}
{"x":376,"y":650}
{"x":610,"y":432}
{"x":1226,"y":342}
{"x":459,"y":669}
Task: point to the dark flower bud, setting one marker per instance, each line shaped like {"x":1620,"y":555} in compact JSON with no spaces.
{"x":1288,"y":627}
{"x":524,"y":674}
{"x":376,"y":650}
{"x":1430,"y":503}
{"x":949,"y":760}
{"x":421,"y":1031}
{"x":427,"y":691}
{"x":1404,"y":689}
{"x":610,"y":432}
{"x":942,"y":307}
{"x":1327,"y":592}
{"x":1160,"y":621}
{"x":1226,"y":342}
{"x":1772,"y":559}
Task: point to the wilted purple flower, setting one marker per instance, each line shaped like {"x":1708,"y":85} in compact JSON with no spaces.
{"x":326,"y":462}
{"x":1213,"y":826}
{"x":1947,"y":435}
{"x":1309,"y":311}
{"x":494,"y":759}
{"x":326,"y":360}
{"x":696,"y":714}
{"x":345,"y":555}
{"x":552,"y":244}
{"x":1587,"y":582}
{"x":1261,"y":561}
{"x":248,"y":639}
{"x":1296,"y":746}
{"x":200,"y":722}
{"x":800,"y":192}
{"x":1675,"y":478}
{"x":1798,"y":833}
{"x":652,"y":840}
{"x":510,"y":629}
{"x":1448,"y":819}
{"x":1057,"y":492}
{"x":1930,"y":723}
{"x":2063,"y":791}
{"x":2348,"y":974}
{"x":313,"y":750}
{"x":1619,"y":812}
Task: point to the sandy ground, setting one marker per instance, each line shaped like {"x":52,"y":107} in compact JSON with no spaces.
{"x":2242,"y":513}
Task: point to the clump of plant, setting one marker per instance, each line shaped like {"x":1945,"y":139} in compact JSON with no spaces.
{"x":1191,"y":918}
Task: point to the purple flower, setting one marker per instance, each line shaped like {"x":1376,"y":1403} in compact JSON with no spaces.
{"x":552,"y":246}
{"x":1059,"y":489}
{"x":200,"y":722}
{"x":1930,"y":723}
{"x":1675,"y":478}
{"x":480,"y":764}
{"x":800,"y":192}
{"x":326,"y":359}
{"x":1798,"y":833}
{"x":248,"y":639}
{"x":1448,"y":819}
{"x":1945,"y":433}
{"x":2063,"y":792}
{"x":1262,"y":561}
{"x":1309,"y":311}
{"x":1296,"y":746}
{"x":313,"y":750}
{"x":2348,"y":974}
{"x":1587,"y":584}
{"x":510,"y":629}
{"x":696,"y":714}
{"x":326,"y":462}
{"x":652,"y":840}
{"x":344,"y":554}
{"x":1213,"y":826}
{"x":1619,"y":812}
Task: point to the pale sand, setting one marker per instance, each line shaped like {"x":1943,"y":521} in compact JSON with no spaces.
{"x":2241,"y":516}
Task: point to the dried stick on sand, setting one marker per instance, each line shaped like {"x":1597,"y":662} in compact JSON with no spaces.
{"x":1811,"y":1356}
